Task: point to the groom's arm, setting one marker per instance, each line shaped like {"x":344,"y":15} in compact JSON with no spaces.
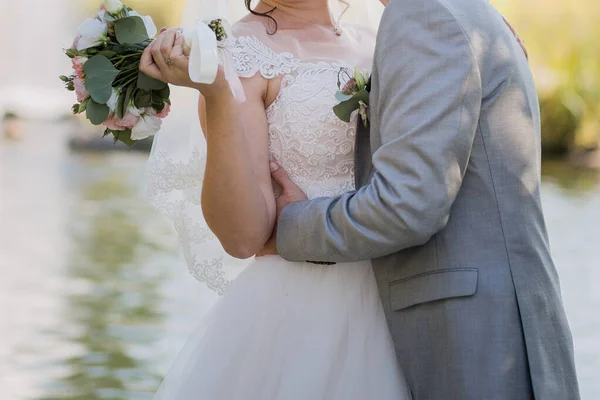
{"x":430,"y":98}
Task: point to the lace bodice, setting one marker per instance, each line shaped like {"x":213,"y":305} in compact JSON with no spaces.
{"x":312,"y":145}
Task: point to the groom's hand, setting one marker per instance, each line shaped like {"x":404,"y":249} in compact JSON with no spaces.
{"x":291,"y":193}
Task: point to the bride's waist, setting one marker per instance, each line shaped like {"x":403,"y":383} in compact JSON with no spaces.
{"x":276,"y":259}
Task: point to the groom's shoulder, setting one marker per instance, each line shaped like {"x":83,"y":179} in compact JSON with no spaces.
{"x":472,"y":20}
{"x":464,"y":12}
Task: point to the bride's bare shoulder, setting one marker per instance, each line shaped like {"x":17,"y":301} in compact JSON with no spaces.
{"x":251,"y":25}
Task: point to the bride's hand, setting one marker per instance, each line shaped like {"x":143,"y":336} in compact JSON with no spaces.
{"x":164,"y":59}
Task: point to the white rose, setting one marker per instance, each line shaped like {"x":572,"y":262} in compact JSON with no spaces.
{"x":147,"y":126}
{"x":133,"y":110}
{"x":92,"y":33}
{"x":113,"y":6}
{"x":101,"y":16}
{"x":148,"y":22}
{"x":113,"y":101}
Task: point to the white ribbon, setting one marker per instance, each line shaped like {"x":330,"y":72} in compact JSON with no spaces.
{"x":205,"y":58}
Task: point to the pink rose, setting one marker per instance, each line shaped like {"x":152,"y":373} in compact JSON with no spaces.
{"x":80,"y":90}
{"x":111,"y":124}
{"x":165,"y":111}
{"x":76,"y":41}
{"x":129,"y":121}
{"x":78,"y":66}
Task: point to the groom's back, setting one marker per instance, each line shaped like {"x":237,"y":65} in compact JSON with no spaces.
{"x":501,"y":310}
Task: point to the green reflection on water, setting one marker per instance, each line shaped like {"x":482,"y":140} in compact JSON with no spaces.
{"x":113,"y":315}
{"x":576,"y":181}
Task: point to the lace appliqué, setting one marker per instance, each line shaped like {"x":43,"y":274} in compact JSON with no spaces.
{"x":305,"y":136}
{"x":175,"y":189}
{"x":311,"y":143}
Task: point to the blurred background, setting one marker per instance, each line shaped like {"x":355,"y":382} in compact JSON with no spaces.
{"x":95,"y":300}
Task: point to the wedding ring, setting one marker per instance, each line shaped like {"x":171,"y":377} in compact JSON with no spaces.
{"x":169,"y":61}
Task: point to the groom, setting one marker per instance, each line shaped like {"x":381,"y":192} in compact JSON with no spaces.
{"x":448,"y":207}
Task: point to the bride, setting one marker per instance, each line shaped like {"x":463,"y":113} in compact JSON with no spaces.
{"x":282,"y":330}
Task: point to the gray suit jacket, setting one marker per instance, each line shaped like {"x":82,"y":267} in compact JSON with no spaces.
{"x":449,"y":210}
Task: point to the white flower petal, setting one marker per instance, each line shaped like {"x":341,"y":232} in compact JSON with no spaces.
{"x":148,"y":23}
{"x":134,"y":111}
{"x":147,"y":126}
{"x":92,"y":32}
{"x":113,"y":101}
{"x":113,"y":6}
{"x":101,"y":16}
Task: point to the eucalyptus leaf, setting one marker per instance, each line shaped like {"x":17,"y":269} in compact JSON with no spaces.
{"x":157,"y":99}
{"x":107,"y":53}
{"x":127,"y":99}
{"x":97,"y":113}
{"x":363,"y":96}
{"x":146,"y":83}
{"x":342,"y":97}
{"x":99,"y":89}
{"x":124,"y":136}
{"x":100,"y":66}
{"x":120,"y":108}
{"x":165,"y":92}
{"x":130,"y":30}
{"x":345,"y":109}
{"x":143,"y":98}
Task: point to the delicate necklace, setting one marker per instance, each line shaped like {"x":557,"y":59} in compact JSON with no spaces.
{"x":337,"y":29}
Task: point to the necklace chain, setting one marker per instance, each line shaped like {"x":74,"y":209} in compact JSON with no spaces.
{"x":337,"y":29}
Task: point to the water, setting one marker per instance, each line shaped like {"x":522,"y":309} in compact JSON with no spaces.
{"x":95,"y":300}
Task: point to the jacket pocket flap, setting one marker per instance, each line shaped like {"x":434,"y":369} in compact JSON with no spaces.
{"x":432,"y":286}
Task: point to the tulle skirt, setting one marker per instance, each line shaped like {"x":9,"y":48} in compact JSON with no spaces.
{"x":291,"y":331}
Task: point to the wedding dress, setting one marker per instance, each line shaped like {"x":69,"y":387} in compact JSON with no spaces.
{"x":285,"y":330}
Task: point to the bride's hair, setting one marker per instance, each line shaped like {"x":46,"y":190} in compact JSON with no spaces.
{"x":266,"y":14}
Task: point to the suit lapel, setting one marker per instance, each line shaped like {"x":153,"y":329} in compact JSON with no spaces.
{"x":362,"y":152}
{"x":362,"y":155}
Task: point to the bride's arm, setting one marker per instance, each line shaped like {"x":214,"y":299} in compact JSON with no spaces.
{"x":237,"y":195}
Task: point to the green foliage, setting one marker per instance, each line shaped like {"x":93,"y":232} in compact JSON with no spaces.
{"x":100,"y":75}
{"x":96,"y":112}
{"x":147,"y":83}
{"x":559,"y":125}
{"x":563,"y":39}
{"x":345,"y":109}
{"x":130,"y":30}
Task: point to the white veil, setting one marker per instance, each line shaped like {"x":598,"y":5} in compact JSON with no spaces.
{"x":176,"y":164}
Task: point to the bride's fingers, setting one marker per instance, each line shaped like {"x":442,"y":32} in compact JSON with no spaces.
{"x":148,"y":66}
{"x":166,"y":45}
{"x":159,"y":59}
{"x":281,"y":177}
{"x":178,"y":47}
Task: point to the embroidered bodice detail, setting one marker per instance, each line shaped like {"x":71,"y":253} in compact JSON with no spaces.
{"x":306,"y":138}
{"x":313,"y":146}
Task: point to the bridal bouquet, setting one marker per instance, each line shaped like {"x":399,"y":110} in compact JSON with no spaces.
{"x":110,"y":88}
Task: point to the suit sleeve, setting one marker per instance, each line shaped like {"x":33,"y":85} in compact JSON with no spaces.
{"x":429,"y":103}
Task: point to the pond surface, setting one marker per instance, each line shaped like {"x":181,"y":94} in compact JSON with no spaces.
{"x":95,"y":300}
